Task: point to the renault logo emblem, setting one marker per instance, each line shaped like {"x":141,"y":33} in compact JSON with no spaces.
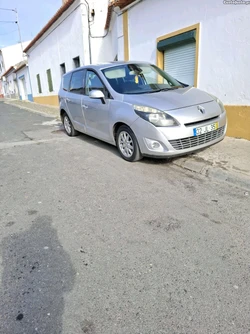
{"x":201,"y":109}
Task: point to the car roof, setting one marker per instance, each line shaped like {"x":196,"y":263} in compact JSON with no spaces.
{"x":102,"y":66}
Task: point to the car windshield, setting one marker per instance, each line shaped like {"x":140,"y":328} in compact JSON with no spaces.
{"x":139,"y":79}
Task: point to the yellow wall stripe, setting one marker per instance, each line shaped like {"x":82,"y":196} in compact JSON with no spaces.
{"x":125,"y":35}
{"x":238,"y":121}
{"x":51,"y":100}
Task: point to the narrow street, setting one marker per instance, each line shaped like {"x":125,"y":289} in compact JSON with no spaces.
{"x":90,"y":243}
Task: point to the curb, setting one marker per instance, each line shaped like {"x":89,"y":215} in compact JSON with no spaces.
{"x":43,"y":113}
{"x":205,"y":168}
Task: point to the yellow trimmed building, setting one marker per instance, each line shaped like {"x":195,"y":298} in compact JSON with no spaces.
{"x":202,"y":43}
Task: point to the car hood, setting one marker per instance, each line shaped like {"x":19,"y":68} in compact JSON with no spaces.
{"x":171,"y":99}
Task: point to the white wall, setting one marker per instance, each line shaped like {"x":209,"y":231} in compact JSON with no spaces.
{"x":58,"y":46}
{"x":224,"y":52}
{"x":11,"y":55}
{"x":66,"y":39}
{"x":10,"y":86}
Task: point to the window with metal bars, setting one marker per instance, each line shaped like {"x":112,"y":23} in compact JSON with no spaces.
{"x":50,"y":83}
{"x":39,"y":83}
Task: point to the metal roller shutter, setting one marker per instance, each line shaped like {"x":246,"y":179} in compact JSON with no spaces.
{"x":179,"y":62}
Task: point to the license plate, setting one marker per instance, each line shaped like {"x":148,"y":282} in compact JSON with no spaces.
{"x":204,"y":129}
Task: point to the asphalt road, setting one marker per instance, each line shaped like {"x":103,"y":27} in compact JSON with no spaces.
{"x":92,"y":244}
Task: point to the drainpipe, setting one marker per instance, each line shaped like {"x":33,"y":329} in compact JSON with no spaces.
{"x":89,"y":29}
{"x":89,"y":39}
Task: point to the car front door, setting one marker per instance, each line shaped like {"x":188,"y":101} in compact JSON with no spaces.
{"x":97,"y":113}
{"x":74,"y":100}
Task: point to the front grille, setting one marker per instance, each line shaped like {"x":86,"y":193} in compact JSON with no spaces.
{"x":184,"y":143}
{"x":203,"y":121}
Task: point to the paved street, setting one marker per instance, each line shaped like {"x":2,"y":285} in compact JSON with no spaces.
{"x":92,"y":244}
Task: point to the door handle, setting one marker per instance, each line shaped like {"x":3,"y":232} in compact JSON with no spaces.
{"x":84,"y":106}
{"x":67,"y":99}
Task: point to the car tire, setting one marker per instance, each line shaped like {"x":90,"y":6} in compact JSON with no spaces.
{"x":68,"y":126}
{"x":127,"y":144}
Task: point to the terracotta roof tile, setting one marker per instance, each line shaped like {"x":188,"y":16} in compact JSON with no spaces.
{"x":59,"y":13}
{"x":116,"y":3}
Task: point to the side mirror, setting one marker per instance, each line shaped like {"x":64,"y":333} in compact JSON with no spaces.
{"x":97,"y":94}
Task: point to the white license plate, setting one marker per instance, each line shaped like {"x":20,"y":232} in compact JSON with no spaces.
{"x":204,"y":129}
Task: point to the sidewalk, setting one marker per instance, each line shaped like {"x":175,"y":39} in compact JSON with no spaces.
{"x":34,"y":107}
{"x":228,"y":161}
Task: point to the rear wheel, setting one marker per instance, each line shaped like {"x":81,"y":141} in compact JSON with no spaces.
{"x":68,"y":126}
{"x":127,"y":144}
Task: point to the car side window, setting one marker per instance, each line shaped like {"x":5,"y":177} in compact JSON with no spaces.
{"x":66,"y":81}
{"x":76,"y":84}
{"x":93,"y":82}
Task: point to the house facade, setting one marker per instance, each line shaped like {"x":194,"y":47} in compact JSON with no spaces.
{"x":202,"y":43}
{"x":73,"y":37}
{"x":9,"y":84}
{"x":23,"y":81}
{"x":9,"y":56}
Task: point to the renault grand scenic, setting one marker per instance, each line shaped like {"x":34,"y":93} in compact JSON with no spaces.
{"x":140,"y":109}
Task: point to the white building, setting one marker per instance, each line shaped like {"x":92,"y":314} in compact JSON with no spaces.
{"x":74,"y":36}
{"x":9,"y":56}
{"x":204,"y":43}
{"x":9,"y":84}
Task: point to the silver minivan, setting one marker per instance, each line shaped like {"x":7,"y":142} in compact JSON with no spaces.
{"x":140,"y":109}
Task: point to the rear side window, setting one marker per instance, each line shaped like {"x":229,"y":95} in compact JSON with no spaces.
{"x":66,"y":81}
{"x":76,"y":84}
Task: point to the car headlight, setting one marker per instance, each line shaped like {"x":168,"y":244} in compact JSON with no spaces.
{"x":219,"y":103}
{"x":155,"y":116}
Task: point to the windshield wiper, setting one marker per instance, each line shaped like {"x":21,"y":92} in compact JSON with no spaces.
{"x":148,"y":92}
{"x":151,"y":91}
{"x":171,"y":88}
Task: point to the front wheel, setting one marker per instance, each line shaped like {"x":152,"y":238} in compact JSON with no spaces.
{"x":127,"y":144}
{"x":68,"y":126}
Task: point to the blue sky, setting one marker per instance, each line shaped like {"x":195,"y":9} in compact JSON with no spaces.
{"x":33,"y":15}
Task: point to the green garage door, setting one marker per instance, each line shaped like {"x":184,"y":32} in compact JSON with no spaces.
{"x":179,"y":62}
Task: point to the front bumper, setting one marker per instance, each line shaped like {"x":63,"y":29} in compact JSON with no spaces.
{"x":177,"y":140}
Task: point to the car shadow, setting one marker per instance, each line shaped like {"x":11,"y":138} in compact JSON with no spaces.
{"x":113,"y":149}
{"x":37,"y":272}
{"x":146,"y":160}
{"x":99,"y":143}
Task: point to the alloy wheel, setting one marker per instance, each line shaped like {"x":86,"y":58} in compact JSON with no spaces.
{"x":67,"y":124}
{"x":126,"y":144}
